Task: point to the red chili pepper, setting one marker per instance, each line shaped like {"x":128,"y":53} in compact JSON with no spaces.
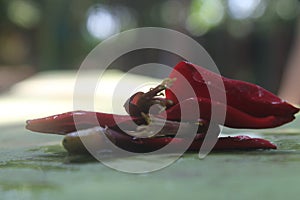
{"x":234,"y":118}
{"x":235,"y":143}
{"x":143,"y":145}
{"x":242,"y":96}
{"x":64,"y":123}
{"x":248,"y":106}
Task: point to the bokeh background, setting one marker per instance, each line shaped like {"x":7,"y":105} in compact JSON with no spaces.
{"x":251,"y":40}
{"x":42,"y":44}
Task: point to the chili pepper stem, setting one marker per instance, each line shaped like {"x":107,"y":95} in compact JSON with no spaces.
{"x":149,"y":97}
{"x":141,"y":102}
{"x":147,"y":118}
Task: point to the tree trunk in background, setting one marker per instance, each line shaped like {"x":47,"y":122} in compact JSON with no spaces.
{"x":289,"y":89}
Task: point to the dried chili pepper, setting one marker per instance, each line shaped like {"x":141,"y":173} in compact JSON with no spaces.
{"x":245,"y":97}
{"x":248,"y":106}
{"x":234,"y":118}
{"x":64,"y":123}
{"x":95,"y":138}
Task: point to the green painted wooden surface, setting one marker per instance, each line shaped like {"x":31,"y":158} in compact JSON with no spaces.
{"x":35,"y":166}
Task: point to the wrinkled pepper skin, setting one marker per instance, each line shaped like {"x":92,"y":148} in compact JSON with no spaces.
{"x":244,"y":100}
{"x":143,"y":145}
{"x":247,"y":106}
{"x":73,"y":143}
{"x":234,"y":118}
{"x":64,"y":123}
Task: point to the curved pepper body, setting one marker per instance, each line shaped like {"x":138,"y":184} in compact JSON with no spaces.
{"x":143,"y":145}
{"x":95,"y":137}
{"x":64,"y":123}
{"x":234,"y":118}
{"x":244,"y":100}
{"x":247,"y":106}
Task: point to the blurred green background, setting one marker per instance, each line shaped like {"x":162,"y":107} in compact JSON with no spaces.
{"x":251,"y":40}
{"x":248,"y":39}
